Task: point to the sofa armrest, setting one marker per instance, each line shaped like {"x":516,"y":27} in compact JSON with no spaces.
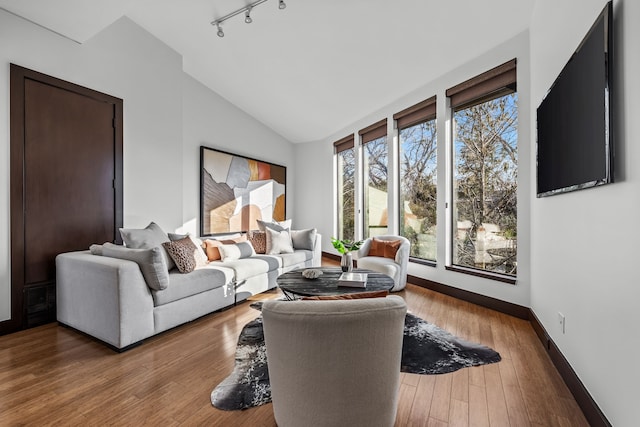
{"x":402,"y":255}
{"x":364,"y":249}
{"x":104,"y":297}
{"x":317,"y":251}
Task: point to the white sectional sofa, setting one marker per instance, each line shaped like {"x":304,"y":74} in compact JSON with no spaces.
{"x":109,"y":299}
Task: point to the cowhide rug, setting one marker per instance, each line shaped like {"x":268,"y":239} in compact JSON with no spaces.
{"x":426,"y":349}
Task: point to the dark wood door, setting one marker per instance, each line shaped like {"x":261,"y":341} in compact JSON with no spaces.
{"x":66,"y":183}
{"x":69,"y":175}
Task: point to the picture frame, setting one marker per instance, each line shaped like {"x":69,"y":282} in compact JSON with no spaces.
{"x":236,"y":191}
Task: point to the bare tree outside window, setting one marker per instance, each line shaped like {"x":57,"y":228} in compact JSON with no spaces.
{"x":346,"y":200}
{"x":418,"y":189}
{"x":375,"y":187}
{"x":485,"y":184}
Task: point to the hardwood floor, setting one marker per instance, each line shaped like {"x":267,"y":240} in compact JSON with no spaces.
{"x":51,"y":375}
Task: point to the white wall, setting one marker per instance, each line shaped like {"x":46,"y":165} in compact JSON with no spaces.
{"x":161,"y":178}
{"x":210,"y":120}
{"x":123,"y":61}
{"x":315,"y":197}
{"x":585,"y":246}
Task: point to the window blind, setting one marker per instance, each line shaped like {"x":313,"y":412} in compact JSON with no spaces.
{"x":344,"y":144}
{"x":375,"y":131}
{"x":421,"y":112}
{"x":486,"y":85}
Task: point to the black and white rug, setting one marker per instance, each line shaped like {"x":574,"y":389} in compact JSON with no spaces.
{"x":426,"y":349}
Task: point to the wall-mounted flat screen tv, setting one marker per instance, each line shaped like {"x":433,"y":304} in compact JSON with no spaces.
{"x":575,"y":144}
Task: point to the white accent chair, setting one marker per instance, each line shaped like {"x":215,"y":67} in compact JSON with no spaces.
{"x":394,"y":268}
{"x":334,"y":363}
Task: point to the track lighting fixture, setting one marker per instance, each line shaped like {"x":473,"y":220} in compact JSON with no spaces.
{"x":247,"y":14}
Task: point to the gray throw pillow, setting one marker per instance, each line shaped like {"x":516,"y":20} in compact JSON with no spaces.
{"x":274,"y":225}
{"x":304,"y":239}
{"x":278,"y":242}
{"x":236,"y":251}
{"x":151,"y":263}
{"x":146,"y":238}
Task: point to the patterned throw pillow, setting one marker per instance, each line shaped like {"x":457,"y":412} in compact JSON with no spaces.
{"x":182,"y":252}
{"x":200,"y":255}
{"x":258,"y":240}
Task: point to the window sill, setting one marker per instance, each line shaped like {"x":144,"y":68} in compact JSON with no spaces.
{"x":423,"y":262}
{"x":484,"y":274}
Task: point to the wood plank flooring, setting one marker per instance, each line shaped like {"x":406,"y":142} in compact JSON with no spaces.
{"x":51,"y":375}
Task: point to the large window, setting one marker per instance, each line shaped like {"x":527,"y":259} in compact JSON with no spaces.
{"x":375,"y":178}
{"x":485,"y":172}
{"x":478,"y":197}
{"x":346,"y":180}
{"x":418,"y":185}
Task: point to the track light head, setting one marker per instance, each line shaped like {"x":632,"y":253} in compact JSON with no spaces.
{"x":247,"y":14}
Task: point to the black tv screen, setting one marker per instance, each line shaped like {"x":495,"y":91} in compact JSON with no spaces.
{"x":574,"y":147}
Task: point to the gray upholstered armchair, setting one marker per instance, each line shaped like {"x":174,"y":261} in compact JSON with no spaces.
{"x":334,"y":363}
{"x":395,"y":267}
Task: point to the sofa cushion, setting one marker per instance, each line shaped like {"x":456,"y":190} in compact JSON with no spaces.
{"x":274,"y":261}
{"x":151,"y":262}
{"x":250,"y":267}
{"x":295,"y":258}
{"x":186,"y":285}
{"x":146,"y":238}
{"x":380,"y":264}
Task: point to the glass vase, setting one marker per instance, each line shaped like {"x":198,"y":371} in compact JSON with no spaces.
{"x":346,"y":262}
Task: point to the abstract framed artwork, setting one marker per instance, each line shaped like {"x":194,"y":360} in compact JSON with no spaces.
{"x":236,"y":191}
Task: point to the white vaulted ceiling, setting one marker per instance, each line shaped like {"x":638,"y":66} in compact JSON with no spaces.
{"x":316,"y":66}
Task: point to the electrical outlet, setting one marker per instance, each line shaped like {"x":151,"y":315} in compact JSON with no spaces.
{"x":561,"y":322}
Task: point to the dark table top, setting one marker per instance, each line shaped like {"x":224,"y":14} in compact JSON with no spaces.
{"x":327,"y":284}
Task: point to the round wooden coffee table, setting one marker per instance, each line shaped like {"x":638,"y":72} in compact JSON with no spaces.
{"x":292,"y":283}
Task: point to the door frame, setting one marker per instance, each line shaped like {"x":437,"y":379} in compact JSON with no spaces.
{"x":18,"y":76}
